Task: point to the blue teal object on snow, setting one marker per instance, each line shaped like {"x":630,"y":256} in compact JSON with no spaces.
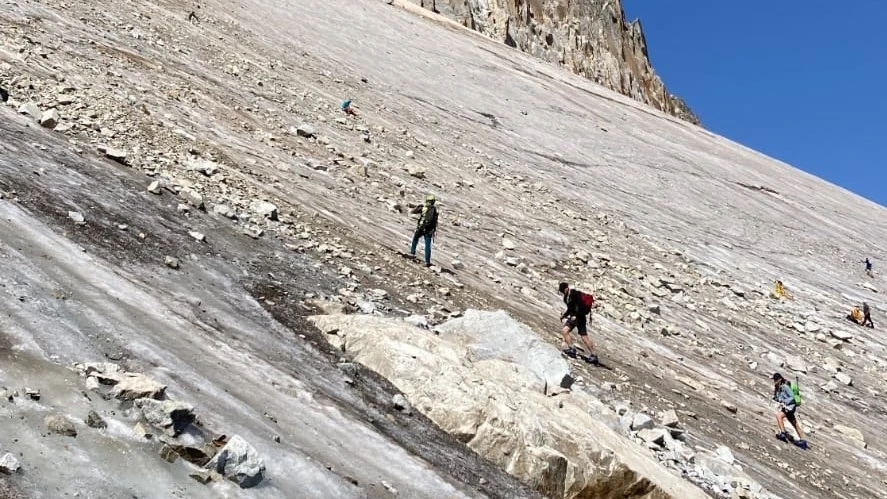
{"x":346,"y":104}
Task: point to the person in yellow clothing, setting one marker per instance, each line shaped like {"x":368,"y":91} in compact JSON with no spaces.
{"x":856,"y":315}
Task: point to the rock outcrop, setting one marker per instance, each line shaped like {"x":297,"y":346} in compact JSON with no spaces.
{"x":590,"y":37}
{"x":474,"y":380}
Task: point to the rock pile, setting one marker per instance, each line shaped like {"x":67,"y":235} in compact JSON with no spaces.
{"x":173,"y":423}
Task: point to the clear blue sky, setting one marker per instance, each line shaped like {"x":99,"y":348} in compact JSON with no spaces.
{"x":802,"y":81}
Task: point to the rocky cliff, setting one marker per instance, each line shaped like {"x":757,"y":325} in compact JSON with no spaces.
{"x":590,"y":37}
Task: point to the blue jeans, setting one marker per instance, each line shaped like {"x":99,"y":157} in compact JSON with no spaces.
{"x":416,"y":237}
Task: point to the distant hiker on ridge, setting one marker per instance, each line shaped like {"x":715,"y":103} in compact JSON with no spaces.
{"x":788,"y":402}
{"x":868,"y":267}
{"x":579,"y":305}
{"x":425,"y":227}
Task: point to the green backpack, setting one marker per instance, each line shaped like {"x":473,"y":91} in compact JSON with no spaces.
{"x":796,"y":391}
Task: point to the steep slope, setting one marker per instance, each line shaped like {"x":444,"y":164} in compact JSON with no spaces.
{"x":590,"y":37}
{"x":679,"y":232}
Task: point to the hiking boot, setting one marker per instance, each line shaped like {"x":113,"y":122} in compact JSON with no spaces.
{"x":591,"y":359}
{"x":571,"y":352}
{"x":782,"y":436}
{"x":802,"y":444}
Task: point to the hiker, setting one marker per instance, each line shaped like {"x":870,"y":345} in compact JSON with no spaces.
{"x":856,"y":316}
{"x":867,"y":316}
{"x":788,"y":403}
{"x":347,"y":109}
{"x":868,"y":267}
{"x":779,"y":289}
{"x":425,"y":227}
{"x":579,"y":305}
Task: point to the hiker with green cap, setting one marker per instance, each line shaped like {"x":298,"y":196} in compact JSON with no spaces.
{"x":425,"y":227}
{"x":789,"y":397}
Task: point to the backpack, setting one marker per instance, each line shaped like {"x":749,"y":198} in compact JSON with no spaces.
{"x":587,"y":300}
{"x":796,"y":392}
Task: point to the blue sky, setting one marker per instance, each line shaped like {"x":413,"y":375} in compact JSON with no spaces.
{"x":804,"y":82}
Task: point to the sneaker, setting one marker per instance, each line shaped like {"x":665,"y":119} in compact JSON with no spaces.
{"x":591,"y":359}
{"x":782,"y":436}
{"x":427,"y":264}
{"x":571,"y":352}
{"x":802,"y":444}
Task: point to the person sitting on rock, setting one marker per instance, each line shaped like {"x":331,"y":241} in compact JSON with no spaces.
{"x":782,"y":393}
{"x":867,"y":315}
{"x":347,"y":109}
{"x":425,"y":227}
{"x":579,"y":305}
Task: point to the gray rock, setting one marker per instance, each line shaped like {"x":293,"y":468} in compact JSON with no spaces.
{"x":77,"y":217}
{"x":93,"y":420}
{"x":155,"y":187}
{"x":844,"y":378}
{"x":831,"y":386}
{"x":841,"y":335}
{"x":198,"y":236}
{"x":655,"y":436}
{"x":141,"y":431}
{"x":239,"y":462}
{"x":305,"y":130}
{"x":417,"y":320}
{"x":508,"y":243}
{"x":118,"y":155}
{"x":265,"y":209}
{"x":654,"y":308}
{"x":171,"y":262}
{"x":30,"y":109}
{"x":9,"y":464}
{"x":853,"y":435}
{"x":796,"y":363}
{"x":642,"y":421}
{"x":49,"y":119}
{"x":669,"y":418}
{"x":401,"y":403}
{"x":57,"y":423}
{"x":170,"y":416}
{"x":193,"y":198}
{"x":416,"y":171}
{"x":132,"y":386}
{"x":729,"y":406}
{"x":725,"y":454}
{"x":92,"y":384}
{"x":225,"y":211}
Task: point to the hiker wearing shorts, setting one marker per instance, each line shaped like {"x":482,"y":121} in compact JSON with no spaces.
{"x":782,"y":393}
{"x":576,"y":317}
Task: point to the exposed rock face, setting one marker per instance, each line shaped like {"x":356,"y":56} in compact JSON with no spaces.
{"x":590,"y":37}
{"x":477,"y":381}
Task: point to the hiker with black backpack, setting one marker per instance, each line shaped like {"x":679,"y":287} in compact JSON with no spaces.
{"x":789,"y":397}
{"x":579,"y":305}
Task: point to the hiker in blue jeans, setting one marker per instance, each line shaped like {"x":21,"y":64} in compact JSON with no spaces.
{"x":425,"y":227}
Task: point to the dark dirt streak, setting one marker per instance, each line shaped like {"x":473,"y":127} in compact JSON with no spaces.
{"x":311,"y":361}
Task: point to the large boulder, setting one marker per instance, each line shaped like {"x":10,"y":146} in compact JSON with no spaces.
{"x":482,"y":379}
{"x":169,"y":416}
{"x":132,"y":386}
{"x":239,"y":462}
{"x":495,"y":335}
